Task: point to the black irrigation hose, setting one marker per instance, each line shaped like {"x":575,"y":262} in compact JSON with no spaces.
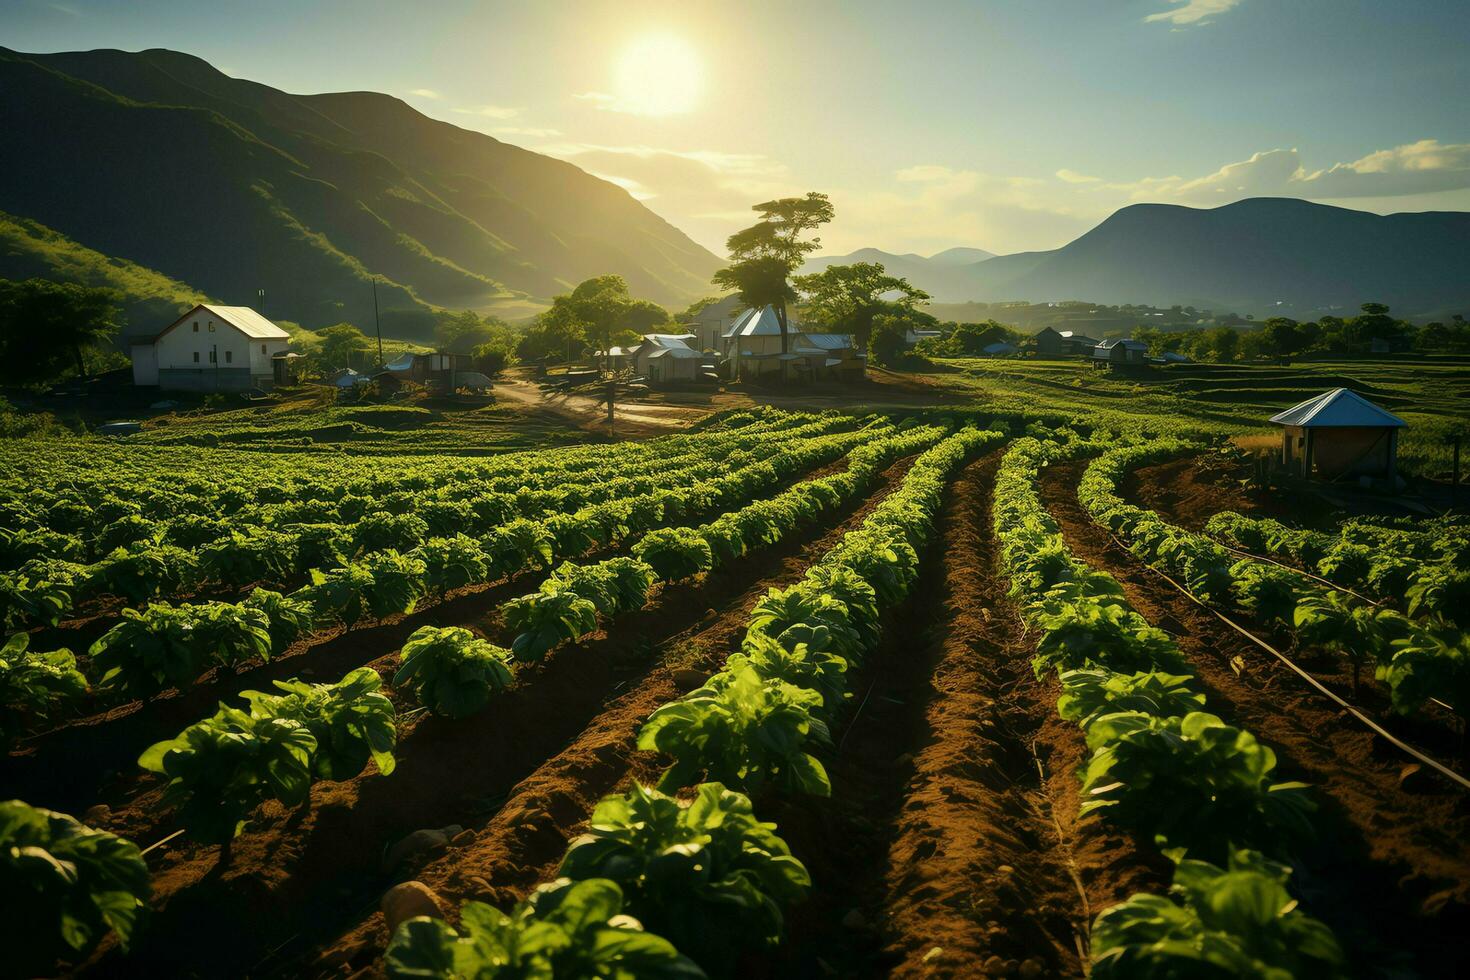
{"x":1300,"y":571}
{"x":1372,"y":725}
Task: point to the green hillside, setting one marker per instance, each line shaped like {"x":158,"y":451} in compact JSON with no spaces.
{"x":234,"y":187}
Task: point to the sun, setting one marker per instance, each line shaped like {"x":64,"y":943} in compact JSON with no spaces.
{"x":658,"y":75}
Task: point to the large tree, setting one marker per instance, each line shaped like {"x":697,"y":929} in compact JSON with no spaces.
{"x":850,"y":296}
{"x":763,"y":256}
{"x":341,"y":345}
{"x":599,"y":310}
{"x":44,"y":326}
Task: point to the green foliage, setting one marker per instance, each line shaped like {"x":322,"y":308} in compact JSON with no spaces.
{"x":1090,"y":693}
{"x":452,"y":563}
{"x":451,"y":671}
{"x":545,"y":618}
{"x":1221,"y":924}
{"x":675,"y":553}
{"x":63,"y":887}
{"x":35,"y":686}
{"x":45,"y":327}
{"x":743,"y":732}
{"x":165,"y":646}
{"x":705,"y":874}
{"x":566,"y":929}
{"x":1192,"y":781}
{"x":352,"y":721}
{"x":1433,"y":661}
{"x":290,"y":618}
{"x":220,"y":769}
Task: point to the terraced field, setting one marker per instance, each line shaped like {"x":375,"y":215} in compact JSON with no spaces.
{"x":991,"y":692}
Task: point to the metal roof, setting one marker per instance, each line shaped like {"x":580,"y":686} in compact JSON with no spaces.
{"x":678,"y":353}
{"x":829,"y":341}
{"x":242,"y":318}
{"x":1338,"y":408}
{"x":670,"y":341}
{"x":760,"y":323}
{"x":1126,"y":344}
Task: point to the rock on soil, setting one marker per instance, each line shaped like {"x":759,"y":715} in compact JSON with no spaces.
{"x":407,"y":901}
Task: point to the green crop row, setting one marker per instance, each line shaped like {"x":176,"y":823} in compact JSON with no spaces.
{"x":1423,"y":654}
{"x":1159,"y":764}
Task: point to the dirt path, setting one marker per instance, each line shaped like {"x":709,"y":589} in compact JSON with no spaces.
{"x":631,"y":418}
{"x":1390,"y":870}
{"x":520,"y":845}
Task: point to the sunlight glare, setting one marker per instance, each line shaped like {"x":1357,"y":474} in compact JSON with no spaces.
{"x":658,"y":75}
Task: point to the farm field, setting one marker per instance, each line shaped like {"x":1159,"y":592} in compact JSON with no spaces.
{"x":1431,"y":392}
{"x":1034,"y":687}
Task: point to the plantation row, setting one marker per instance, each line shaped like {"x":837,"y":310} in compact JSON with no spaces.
{"x":220,"y":769}
{"x":140,"y":558}
{"x":705,"y":876}
{"x":1161,"y":766}
{"x":1423,"y":654}
{"x":166,"y":646}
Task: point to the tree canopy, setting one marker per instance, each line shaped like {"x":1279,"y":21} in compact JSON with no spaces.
{"x":848,"y":297}
{"x":599,"y":311}
{"x":49,"y":327}
{"x":764,"y":256}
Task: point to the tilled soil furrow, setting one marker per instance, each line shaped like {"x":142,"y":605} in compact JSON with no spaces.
{"x":977,"y":879}
{"x":521,"y":843}
{"x":1389,"y":869}
{"x":300,"y":873}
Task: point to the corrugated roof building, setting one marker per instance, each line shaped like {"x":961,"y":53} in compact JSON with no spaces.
{"x":1337,"y":434}
{"x":210,"y":348}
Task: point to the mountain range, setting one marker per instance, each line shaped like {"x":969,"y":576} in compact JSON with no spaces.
{"x":943,"y":274}
{"x":1262,"y":256}
{"x":157,"y":164}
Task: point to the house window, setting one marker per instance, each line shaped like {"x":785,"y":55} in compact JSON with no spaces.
{"x":196,"y":353}
{"x":229,"y":357}
{"x":196,"y":326}
{"x":213,"y":356}
{"x":262,"y":348}
{"x":211,"y":326}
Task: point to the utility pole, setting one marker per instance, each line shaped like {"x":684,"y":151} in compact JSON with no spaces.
{"x":260,"y":301}
{"x":377,"y":323}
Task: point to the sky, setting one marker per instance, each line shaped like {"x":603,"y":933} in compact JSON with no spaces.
{"x":1007,"y":126}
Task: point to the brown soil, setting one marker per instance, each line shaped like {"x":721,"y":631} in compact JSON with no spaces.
{"x":297,"y":877}
{"x":1390,"y":868}
{"x":988,"y":868}
{"x":1191,"y":490}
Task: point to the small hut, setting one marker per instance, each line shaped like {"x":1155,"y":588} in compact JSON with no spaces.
{"x":1339,"y":434}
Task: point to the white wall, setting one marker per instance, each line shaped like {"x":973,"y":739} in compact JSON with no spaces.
{"x":203,"y":334}
{"x":145,"y":364}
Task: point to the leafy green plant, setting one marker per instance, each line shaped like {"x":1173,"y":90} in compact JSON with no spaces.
{"x":290,"y":617}
{"x":220,"y":769}
{"x":1442,"y":589}
{"x":1433,"y":661}
{"x":352,"y":721}
{"x":1343,"y":625}
{"x":35,"y":686}
{"x":382,"y":532}
{"x":1090,"y":693}
{"x":545,"y":618}
{"x":452,"y":563}
{"x":36,"y":593}
{"x":1220,"y":924}
{"x":1267,"y":592}
{"x":64,"y":886}
{"x":566,"y":929}
{"x":675,"y":553}
{"x":1084,"y":632}
{"x":704,"y":874}
{"x":452,"y":671}
{"x":804,"y":663}
{"x":744,"y":732}
{"x":1193,"y":781}
{"x":260,"y":556}
{"x":519,"y":545}
{"x":166,"y":646}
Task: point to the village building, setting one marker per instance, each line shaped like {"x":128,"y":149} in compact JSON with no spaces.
{"x":211,"y":348}
{"x":998,"y":349}
{"x":753,"y":350}
{"x":1120,"y":353}
{"x":1339,"y":434}
{"x":1076,"y":343}
{"x":668,"y":358}
{"x":710,"y":325}
{"x":437,"y":368}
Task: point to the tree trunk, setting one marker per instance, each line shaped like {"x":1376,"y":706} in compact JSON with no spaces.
{"x":781,"y":319}
{"x":76,"y":350}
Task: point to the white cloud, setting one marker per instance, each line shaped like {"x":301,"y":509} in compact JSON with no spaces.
{"x":536,"y":132}
{"x":1423,"y":167}
{"x":425,"y":93}
{"x":489,"y":111}
{"x":1073,"y":177}
{"x":1192,"y":12}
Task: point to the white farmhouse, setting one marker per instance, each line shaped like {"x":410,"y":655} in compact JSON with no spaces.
{"x":211,"y":348}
